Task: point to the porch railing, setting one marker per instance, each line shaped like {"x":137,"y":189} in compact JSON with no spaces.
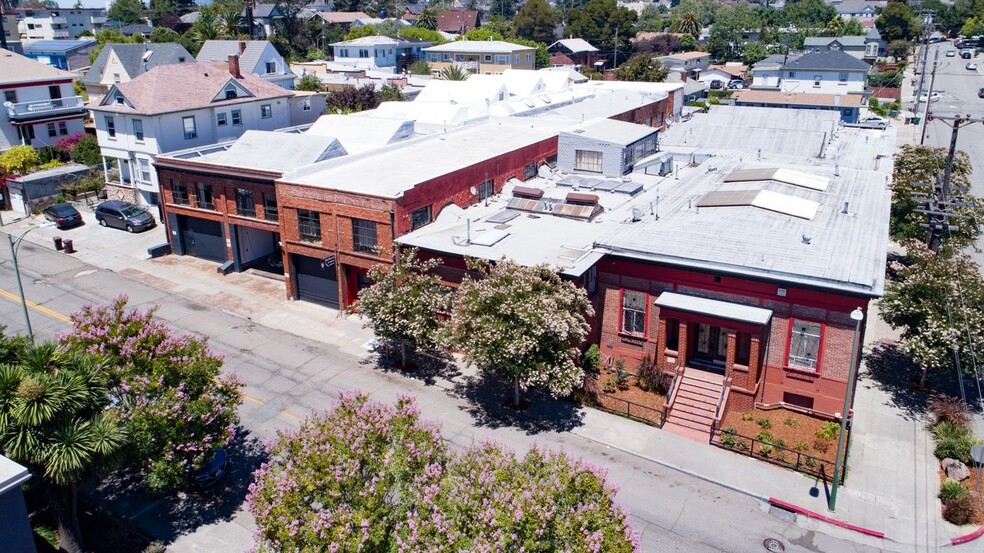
{"x":671,"y":394}
{"x":722,"y":401}
{"x":44,"y":108}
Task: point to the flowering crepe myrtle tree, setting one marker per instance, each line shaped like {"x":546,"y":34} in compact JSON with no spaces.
{"x":522,"y":324}
{"x":490,"y":501}
{"x":372,"y":477}
{"x":937,"y":302}
{"x":344,"y":480}
{"x":400,"y":305}
{"x":169,"y":389}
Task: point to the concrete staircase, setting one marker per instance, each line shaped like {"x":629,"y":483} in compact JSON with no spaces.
{"x":695,"y":404}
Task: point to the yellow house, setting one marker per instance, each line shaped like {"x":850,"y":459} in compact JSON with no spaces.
{"x":487,"y":57}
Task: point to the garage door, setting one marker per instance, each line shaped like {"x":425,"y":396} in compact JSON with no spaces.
{"x":203,"y":238}
{"x":316,"y":283}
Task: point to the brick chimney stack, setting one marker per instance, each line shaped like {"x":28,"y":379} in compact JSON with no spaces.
{"x":242,"y":47}
{"x":234,"y":67}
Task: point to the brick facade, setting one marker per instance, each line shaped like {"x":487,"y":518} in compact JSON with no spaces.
{"x":766,"y":376}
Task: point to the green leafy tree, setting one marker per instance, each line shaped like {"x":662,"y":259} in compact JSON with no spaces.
{"x":310,"y":82}
{"x":505,"y":9}
{"x":163,"y":34}
{"x":401,"y":304}
{"x":454,"y":72}
{"x":522,"y":324}
{"x":651,"y":19}
{"x":809,"y":13}
{"x":230,"y":23}
{"x":359,"y":32}
{"x":87,"y":152}
{"x":20,"y":159}
{"x":598,"y":22}
{"x":936,"y":301}
{"x":174,"y":401}
{"x":703,"y":10}
{"x":372,"y":477}
{"x":727,"y":39}
{"x":852,"y":27}
{"x":423,"y":34}
{"x":390,"y":93}
{"x":419,"y":67}
{"x":352,"y":99}
{"x":643,"y":68}
{"x":207,"y":26}
{"x":537,"y":21}
{"x":898,"y":49}
{"x":834,"y":27}
{"x":753,"y":53}
{"x":127,"y":12}
{"x":973,"y":27}
{"x":896,"y":22}
{"x":917,"y":167}
{"x":56,"y":418}
{"x":688,"y":43}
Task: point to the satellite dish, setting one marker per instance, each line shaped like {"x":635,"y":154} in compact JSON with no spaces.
{"x":473,"y":191}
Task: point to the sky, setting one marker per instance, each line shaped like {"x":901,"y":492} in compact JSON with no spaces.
{"x":102,"y":3}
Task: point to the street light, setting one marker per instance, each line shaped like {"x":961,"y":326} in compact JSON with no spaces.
{"x":857,"y":316}
{"x":14,"y":246}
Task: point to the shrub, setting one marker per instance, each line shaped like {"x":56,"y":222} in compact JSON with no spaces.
{"x":747,"y":416}
{"x":949,"y":409}
{"x":764,"y":424}
{"x":19,"y":159}
{"x":51,"y":164}
{"x":780,"y":444}
{"x":952,"y":490}
{"x":765,"y":450}
{"x":821,"y":445}
{"x":790,"y":422}
{"x":953,"y":441}
{"x":621,"y":376}
{"x":419,"y":67}
{"x":651,"y":379}
{"x":48,"y":534}
{"x":310,"y":82}
{"x":801,"y":446}
{"x":766,"y":437}
{"x":86,"y":151}
{"x":828,"y":431}
{"x":728,"y":437}
{"x":959,"y":511}
{"x":609,"y":387}
{"x":591,"y":359}
{"x":810,"y":462}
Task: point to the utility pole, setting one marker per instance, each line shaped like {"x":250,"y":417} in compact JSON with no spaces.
{"x":929,"y":97}
{"x":926,"y":16}
{"x":615,"y":60}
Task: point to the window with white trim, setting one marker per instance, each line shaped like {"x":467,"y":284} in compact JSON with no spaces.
{"x":138,"y":133}
{"x":110,"y":126}
{"x":144,"y":166}
{"x":804,"y":344}
{"x":634,"y":312}
{"x":266,"y":111}
{"x":190,"y":130}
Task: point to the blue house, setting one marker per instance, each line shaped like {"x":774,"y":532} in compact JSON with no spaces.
{"x":68,"y":55}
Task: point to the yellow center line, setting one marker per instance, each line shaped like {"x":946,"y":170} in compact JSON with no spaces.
{"x":32,"y":305}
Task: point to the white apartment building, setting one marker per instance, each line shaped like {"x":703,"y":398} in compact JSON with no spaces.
{"x":58,"y":24}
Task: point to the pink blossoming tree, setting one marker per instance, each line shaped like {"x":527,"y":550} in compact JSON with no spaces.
{"x":170,"y":391}
{"x":372,"y":477}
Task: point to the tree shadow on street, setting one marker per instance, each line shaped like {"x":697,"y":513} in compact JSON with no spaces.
{"x":168,"y":516}
{"x":889,"y":369}
{"x":426,"y":365}
{"x":489,"y":403}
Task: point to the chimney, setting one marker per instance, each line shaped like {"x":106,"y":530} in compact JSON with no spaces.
{"x":242,"y":46}
{"x":234,"y":67}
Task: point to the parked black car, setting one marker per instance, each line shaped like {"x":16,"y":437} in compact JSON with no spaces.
{"x":63,"y":215}
{"x":211,"y":472}
{"x":124,"y":215}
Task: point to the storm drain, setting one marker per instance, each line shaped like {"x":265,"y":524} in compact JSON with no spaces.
{"x":773,"y":545}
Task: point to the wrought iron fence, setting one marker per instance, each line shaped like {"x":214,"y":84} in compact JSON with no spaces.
{"x":629,"y":409}
{"x":779,"y":455}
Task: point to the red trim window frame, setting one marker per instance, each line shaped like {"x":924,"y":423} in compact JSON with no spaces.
{"x":621,"y":313}
{"x":789,"y":343}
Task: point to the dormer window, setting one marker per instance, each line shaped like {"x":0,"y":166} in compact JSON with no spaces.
{"x":271,"y":67}
{"x":230,"y":92}
{"x":119,"y":100}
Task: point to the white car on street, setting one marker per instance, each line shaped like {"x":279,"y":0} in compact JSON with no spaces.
{"x":873,"y":122}
{"x":926,"y":97}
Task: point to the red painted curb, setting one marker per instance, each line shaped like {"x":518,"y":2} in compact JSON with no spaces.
{"x":968,"y":537}
{"x":818,"y":516}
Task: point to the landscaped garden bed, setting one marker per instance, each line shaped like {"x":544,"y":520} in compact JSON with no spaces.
{"x":636,"y":396}
{"x":784,"y":437}
{"x":954,"y":437}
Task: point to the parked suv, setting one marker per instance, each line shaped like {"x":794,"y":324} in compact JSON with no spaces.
{"x":124,"y":215}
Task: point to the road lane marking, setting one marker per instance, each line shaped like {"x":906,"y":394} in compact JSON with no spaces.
{"x":54,"y":314}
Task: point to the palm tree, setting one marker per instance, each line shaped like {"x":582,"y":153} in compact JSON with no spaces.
{"x":689,"y":24}
{"x":230,"y":24}
{"x":834,"y":26}
{"x":206,"y":28}
{"x":427,"y":19}
{"x":54,"y":418}
{"x":454,"y":72}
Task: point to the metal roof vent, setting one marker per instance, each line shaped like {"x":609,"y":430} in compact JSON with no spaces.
{"x":806,"y":239}
{"x":636,"y":214}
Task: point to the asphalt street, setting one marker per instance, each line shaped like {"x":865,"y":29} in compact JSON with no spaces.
{"x":289,"y":376}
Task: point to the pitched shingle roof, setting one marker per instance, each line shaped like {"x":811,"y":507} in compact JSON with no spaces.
{"x":186,"y":86}
{"x":574,"y":45}
{"x":829,"y":60}
{"x":15,"y":69}
{"x":131,"y":56}
{"x":249,"y":59}
{"x":457,"y":21}
{"x":342,"y":17}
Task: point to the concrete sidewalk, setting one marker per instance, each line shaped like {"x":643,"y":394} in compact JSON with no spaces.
{"x":892,"y":482}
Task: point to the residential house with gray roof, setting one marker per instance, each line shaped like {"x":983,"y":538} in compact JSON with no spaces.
{"x":120,"y":63}
{"x":257,"y":57}
{"x":824,"y":72}
{"x":866,"y":48}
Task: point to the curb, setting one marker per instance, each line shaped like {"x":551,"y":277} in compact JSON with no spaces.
{"x":967,"y":537}
{"x":824,"y":518}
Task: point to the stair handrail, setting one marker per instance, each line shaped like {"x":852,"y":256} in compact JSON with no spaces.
{"x":722,"y":401}
{"x":671,"y":394}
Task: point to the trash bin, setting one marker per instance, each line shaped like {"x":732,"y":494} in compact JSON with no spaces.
{"x":916,"y":120}
{"x":58,"y":243}
{"x":69,"y":247}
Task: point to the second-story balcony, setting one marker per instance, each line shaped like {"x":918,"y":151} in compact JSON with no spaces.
{"x":40,"y":109}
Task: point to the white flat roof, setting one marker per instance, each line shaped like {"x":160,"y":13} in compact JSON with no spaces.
{"x":717,"y":308}
{"x":610,"y":130}
{"x":479,"y":47}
